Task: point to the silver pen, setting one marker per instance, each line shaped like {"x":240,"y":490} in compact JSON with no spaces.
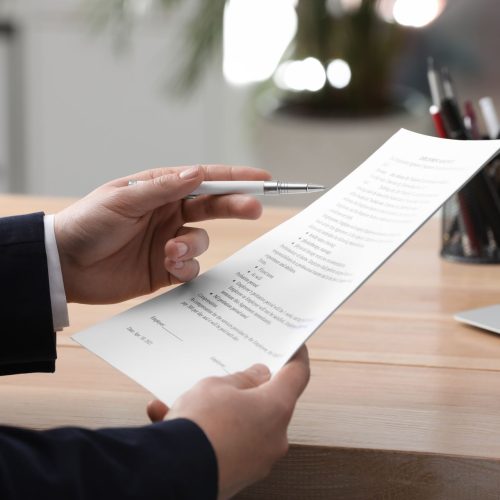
{"x":251,"y":187}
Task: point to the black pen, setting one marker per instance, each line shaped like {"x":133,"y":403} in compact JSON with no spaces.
{"x":452,"y":117}
{"x":479,"y":191}
{"x":448,"y":87}
{"x":443,"y":97}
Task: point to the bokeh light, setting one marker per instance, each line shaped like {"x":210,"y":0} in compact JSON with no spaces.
{"x":256,"y":33}
{"x":307,"y":74}
{"x":338,"y":73}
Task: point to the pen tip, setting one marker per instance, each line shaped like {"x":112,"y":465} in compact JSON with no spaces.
{"x":315,"y":187}
{"x":430,"y":62}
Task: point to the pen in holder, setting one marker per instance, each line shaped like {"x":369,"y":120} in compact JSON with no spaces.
{"x":471,"y":219}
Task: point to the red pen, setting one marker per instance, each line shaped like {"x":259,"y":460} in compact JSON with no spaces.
{"x":438,"y":122}
{"x":465,"y":216}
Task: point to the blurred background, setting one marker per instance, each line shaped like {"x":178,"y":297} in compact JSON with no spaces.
{"x":91,"y":90}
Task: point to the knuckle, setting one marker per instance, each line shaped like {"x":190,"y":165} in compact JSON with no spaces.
{"x":160,"y":181}
{"x":208,"y":383}
{"x":209,"y":389}
{"x":246,"y":378}
{"x":227,"y":208}
{"x":219,"y":207}
{"x":164,"y":181}
{"x":224,"y":207}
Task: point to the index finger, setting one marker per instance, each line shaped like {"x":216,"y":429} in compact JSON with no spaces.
{"x":292,"y":379}
{"x":234,"y":173}
{"x":228,"y":206}
{"x":215,"y":172}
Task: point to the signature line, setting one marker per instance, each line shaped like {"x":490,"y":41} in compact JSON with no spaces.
{"x":173,"y":334}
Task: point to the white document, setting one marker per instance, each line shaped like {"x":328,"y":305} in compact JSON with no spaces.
{"x":261,"y":304}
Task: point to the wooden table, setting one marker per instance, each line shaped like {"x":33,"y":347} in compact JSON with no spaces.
{"x":403,"y":403}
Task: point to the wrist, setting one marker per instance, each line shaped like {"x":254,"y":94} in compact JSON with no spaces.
{"x":64,"y":258}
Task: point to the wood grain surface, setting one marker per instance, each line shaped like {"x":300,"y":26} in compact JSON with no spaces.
{"x":403,"y":403}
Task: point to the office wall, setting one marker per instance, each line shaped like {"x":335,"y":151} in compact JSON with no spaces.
{"x":93,"y":114}
{"x":90,"y":114}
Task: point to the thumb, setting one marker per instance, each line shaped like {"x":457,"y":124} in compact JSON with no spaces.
{"x":157,"y":411}
{"x":250,"y":378}
{"x":173,"y":186}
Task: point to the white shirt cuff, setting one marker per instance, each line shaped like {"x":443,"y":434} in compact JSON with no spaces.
{"x":57,"y":295}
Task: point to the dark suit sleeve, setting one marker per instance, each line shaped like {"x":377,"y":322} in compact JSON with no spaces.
{"x":27,"y":338}
{"x":170,"y":460}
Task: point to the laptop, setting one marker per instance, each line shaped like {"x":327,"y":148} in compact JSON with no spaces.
{"x":487,"y":318}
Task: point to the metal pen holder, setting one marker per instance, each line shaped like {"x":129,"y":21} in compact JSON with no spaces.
{"x":471,"y":219}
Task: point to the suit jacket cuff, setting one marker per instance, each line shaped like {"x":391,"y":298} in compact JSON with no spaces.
{"x":27,"y":338}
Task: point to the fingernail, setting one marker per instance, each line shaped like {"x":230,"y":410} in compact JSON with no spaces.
{"x":261,"y":372}
{"x":190,"y":173}
{"x":181,"y":249}
{"x":179,"y":264}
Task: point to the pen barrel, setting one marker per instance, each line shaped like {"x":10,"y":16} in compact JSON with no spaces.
{"x":254,"y":187}
{"x":229,"y":187}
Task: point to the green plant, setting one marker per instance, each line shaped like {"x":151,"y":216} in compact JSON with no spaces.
{"x":202,"y":34}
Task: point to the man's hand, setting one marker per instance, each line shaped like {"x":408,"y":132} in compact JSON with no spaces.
{"x":245,"y":416}
{"x":123,"y":241}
